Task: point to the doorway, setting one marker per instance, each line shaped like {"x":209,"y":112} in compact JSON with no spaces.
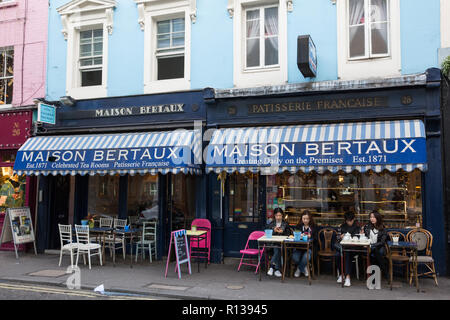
{"x":58,"y":207}
{"x":243,"y":211}
{"x":181,"y":207}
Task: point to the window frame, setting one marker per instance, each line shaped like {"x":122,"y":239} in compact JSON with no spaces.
{"x":93,"y":67}
{"x":151,"y":16}
{"x":368,"y":32}
{"x":2,"y":78}
{"x":262,"y":37}
{"x":170,"y":52}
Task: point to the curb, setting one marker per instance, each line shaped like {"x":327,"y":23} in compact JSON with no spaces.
{"x":113,"y":289}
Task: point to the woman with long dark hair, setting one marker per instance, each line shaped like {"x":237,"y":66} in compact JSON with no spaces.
{"x":308,"y":228}
{"x":377,"y":234}
{"x":280,"y":228}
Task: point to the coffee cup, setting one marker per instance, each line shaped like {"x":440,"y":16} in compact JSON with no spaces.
{"x":395,"y":239}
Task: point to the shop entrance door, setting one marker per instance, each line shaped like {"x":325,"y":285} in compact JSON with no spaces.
{"x":59,"y":208}
{"x":242,"y":212}
{"x":180,"y":203}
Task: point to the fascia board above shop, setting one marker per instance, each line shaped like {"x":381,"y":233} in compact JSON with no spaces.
{"x":324,"y":86}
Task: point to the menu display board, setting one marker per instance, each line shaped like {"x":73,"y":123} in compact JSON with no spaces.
{"x":178,"y":239}
{"x":18,"y":227}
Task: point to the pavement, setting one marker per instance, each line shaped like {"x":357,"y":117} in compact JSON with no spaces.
{"x":217,"y":281}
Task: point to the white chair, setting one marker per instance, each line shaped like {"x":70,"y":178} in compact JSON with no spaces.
{"x":120,"y":238}
{"x":106,"y":222}
{"x":85,"y":246}
{"x":65,"y":234}
{"x":148,"y":239}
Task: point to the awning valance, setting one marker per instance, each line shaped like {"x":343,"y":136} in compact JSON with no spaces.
{"x":361,"y":146}
{"x":126,"y":153}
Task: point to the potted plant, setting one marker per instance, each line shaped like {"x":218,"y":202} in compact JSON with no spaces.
{"x":90,"y":219}
{"x":446,"y":67}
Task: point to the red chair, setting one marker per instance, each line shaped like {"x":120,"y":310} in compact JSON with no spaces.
{"x":202,"y":224}
{"x":255,"y":235}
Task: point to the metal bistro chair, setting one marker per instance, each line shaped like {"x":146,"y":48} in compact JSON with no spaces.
{"x":201,"y":224}
{"x":326,"y":252}
{"x":254,"y":236}
{"x":67,"y":244}
{"x":119,"y":239}
{"x":424,"y":240}
{"x":399,"y":257}
{"x":85,"y":246}
{"x":148,"y":239}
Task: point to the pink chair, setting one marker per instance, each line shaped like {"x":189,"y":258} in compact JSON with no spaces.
{"x":202,"y":224}
{"x":255,"y":235}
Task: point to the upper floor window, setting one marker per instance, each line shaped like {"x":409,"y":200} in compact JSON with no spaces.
{"x":170,"y":49}
{"x":368,"y":29}
{"x":6,"y":75}
{"x":261,"y":37}
{"x":91,"y":57}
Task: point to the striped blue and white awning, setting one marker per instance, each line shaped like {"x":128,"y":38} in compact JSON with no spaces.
{"x":127,"y":153}
{"x":362,"y":146}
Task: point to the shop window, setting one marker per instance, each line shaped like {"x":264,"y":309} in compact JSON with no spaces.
{"x":143,"y":196}
{"x":12,"y":189}
{"x":368,"y":28}
{"x":7,"y":156}
{"x":91,"y":57}
{"x":103,"y":197}
{"x":170,"y":49}
{"x":243,"y":198}
{"x":6,"y":75}
{"x":397,"y":196}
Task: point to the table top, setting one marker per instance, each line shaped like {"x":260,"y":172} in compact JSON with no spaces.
{"x":355,"y":243}
{"x":127,"y":231}
{"x":291,"y":240}
{"x":195,"y":233}
{"x":273,"y":239}
{"x":402,"y":244}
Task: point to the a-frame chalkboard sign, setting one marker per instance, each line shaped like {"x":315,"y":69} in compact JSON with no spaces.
{"x":178,"y":239}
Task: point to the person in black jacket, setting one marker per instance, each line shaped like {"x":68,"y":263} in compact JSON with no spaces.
{"x":307,"y":227}
{"x":351,"y":227}
{"x":280,"y":228}
{"x":377,"y":234}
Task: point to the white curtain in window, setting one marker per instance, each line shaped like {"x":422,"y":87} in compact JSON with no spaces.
{"x":271,"y":25}
{"x":253,"y":32}
{"x":356,"y":12}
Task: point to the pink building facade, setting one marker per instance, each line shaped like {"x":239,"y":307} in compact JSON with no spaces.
{"x":23,"y":46}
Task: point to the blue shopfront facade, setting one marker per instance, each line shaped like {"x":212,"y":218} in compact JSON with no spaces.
{"x":117,"y":157}
{"x":308,"y":146}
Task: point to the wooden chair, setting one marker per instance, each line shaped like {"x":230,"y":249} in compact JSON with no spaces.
{"x":67,"y":244}
{"x":326,"y":252}
{"x":85,"y":246}
{"x":148,"y":239}
{"x":399,"y":257}
{"x":424,"y":240}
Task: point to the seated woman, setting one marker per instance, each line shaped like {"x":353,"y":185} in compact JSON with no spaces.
{"x":377,"y":234}
{"x":351,"y":227}
{"x":280,"y":228}
{"x":307,"y":227}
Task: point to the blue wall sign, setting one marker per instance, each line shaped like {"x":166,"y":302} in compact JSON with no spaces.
{"x":46,"y":113}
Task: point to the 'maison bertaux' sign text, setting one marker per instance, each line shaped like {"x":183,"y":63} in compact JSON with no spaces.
{"x":131,"y":111}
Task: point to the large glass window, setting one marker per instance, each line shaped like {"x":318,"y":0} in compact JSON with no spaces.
{"x":170,"y":49}
{"x":12,"y":189}
{"x":103,"y":197}
{"x":261,"y":39}
{"x":397,"y":196}
{"x":143,"y":196}
{"x":368,"y":27}
{"x":91,"y":57}
{"x":243,"y":198}
{"x":6,"y":75}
